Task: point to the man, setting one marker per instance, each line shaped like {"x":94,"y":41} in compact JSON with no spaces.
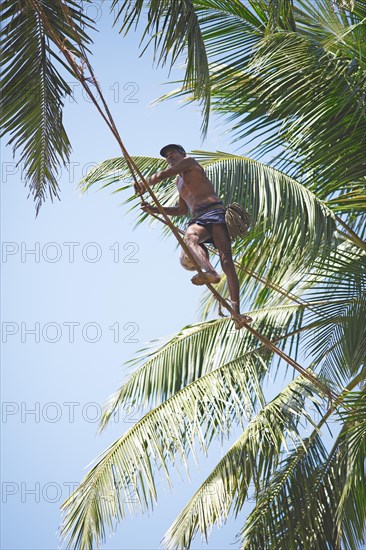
{"x":207,"y":223}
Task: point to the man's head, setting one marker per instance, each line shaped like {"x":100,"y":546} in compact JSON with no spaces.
{"x":173,"y":153}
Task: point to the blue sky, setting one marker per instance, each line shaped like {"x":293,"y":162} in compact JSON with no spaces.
{"x":90,"y":295}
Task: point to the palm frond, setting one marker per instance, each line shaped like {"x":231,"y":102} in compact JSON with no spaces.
{"x":316,"y":499}
{"x":296,"y":96}
{"x":353,"y":200}
{"x":231,"y":30}
{"x":33,"y":88}
{"x":338,"y":30}
{"x":192,"y":353}
{"x":332,"y":292}
{"x":344,"y":474}
{"x":354,"y":419}
{"x":273,"y":515}
{"x":322,"y":108}
{"x":339,"y":331}
{"x":173,"y":28}
{"x":207,"y":407}
{"x":116,"y":169}
{"x":281,"y":15}
{"x":250,"y":460}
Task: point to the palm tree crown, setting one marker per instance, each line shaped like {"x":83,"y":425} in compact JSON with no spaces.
{"x":289,"y":75}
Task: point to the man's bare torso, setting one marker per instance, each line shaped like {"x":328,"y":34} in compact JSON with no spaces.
{"x":195,"y":188}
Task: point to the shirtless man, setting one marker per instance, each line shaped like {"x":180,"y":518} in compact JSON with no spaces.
{"x":207,"y":224}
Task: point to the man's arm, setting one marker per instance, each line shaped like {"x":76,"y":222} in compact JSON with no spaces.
{"x":181,"y":166}
{"x":179,"y":210}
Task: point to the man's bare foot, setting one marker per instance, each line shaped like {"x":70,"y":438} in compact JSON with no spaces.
{"x":242,"y":321}
{"x":208,"y":277}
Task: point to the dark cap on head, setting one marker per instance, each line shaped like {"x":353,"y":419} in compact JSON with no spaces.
{"x":164,"y":150}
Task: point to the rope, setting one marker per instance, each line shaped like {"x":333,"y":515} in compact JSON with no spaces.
{"x":139,"y":178}
{"x":351,"y":234}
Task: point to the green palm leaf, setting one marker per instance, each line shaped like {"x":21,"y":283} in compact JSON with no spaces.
{"x":116,"y":169}
{"x":327,"y":509}
{"x":281,"y":14}
{"x":322,"y":108}
{"x":206,"y":407}
{"x":33,"y":88}
{"x":339,"y":332}
{"x":192,"y":353}
{"x":331,"y":324}
{"x":354,"y":418}
{"x":272,"y":513}
{"x":254,"y":455}
{"x":343,"y":476}
{"x":173,"y":28}
{"x":340,"y":31}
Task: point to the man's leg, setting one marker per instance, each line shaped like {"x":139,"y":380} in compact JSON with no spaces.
{"x":187,"y":263}
{"x":222,"y":241}
{"x":196,"y":234}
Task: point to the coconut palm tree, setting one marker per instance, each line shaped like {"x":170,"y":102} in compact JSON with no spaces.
{"x":292,"y":76}
{"x":209,"y":378}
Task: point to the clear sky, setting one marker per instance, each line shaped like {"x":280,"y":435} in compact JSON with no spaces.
{"x":91,"y":294}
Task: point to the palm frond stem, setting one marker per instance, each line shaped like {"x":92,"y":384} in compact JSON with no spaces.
{"x":351,"y":235}
{"x":358,"y":379}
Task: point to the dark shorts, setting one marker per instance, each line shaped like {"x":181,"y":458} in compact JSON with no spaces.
{"x":208,"y":215}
